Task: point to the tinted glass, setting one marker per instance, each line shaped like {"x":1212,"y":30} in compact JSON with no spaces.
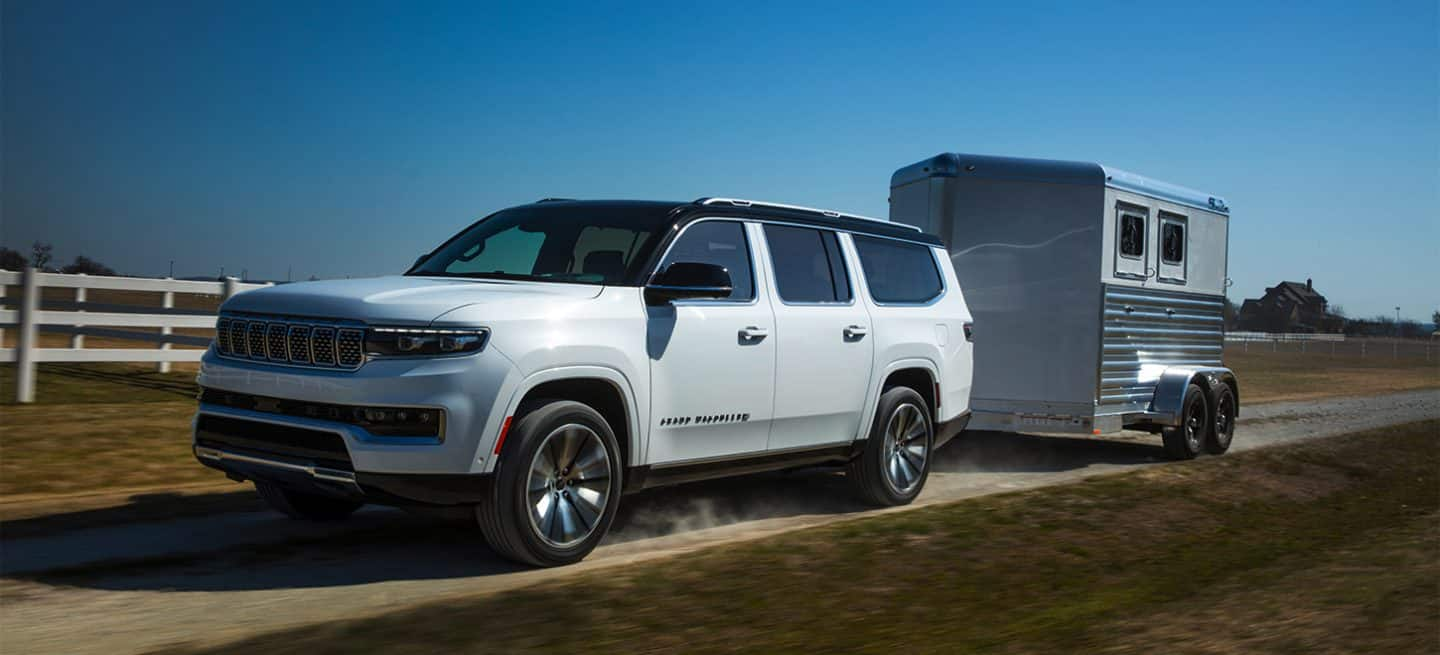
{"x":584,"y":244}
{"x":717,"y":242}
{"x":808,"y":267}
{"x":1173,"y":248}
{"x":898,"y":272}
{"x":1132,"y":235}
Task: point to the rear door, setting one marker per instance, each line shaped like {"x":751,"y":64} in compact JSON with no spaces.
{"x":824,"y":351}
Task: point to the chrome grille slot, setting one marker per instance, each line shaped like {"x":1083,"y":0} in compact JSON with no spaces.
{"x":350,"y":347}
{"x":275,"y":342}
{"x":255,"y":339}
{"x":222,"y":335}
{"x":300,"y":344}
{"x":322,"y":346}
{"x":237,"y":338}
{"x":290,"y":341}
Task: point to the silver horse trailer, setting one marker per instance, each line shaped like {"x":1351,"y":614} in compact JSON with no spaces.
{"x":1098,"y":295}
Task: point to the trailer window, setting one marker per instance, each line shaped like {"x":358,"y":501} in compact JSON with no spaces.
{"x":1132,"y":235}
{"x":807,"y":263}
{"x":1172,"y":249}
{"x":897,"y":271}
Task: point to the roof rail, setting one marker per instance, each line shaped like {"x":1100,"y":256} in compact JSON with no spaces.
{"x":830,"y":213}
{"x":553,"y":200}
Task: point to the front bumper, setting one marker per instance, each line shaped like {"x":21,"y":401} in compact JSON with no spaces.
{"x":470,"y":390}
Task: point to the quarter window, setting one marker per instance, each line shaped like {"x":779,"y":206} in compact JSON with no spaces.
{"x":722,"y":243}
{"x":1132,"y":235}
{"x":897,"y":271}
{"x":808,"y":267}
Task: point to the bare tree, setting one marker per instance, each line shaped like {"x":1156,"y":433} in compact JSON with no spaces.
{"x":40,"y":254}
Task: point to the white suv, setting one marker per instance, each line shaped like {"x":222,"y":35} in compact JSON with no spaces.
{"x":553,"y":356}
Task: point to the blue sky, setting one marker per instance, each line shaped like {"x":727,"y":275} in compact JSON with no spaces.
{"x":346,"y":138}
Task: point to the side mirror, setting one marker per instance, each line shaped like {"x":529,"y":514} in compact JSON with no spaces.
{"x":684,"y":280}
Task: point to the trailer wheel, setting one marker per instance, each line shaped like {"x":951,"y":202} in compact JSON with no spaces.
{"x":1186,"y":440}
{"x":1222,"y":421}
{"x":557,"y":486}
{"x":300,"y":505}
{"x":892,"y":468}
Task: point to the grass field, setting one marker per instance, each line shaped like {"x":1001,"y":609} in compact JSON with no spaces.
{"x":1324,"y":547}
{"x":92,"y":421}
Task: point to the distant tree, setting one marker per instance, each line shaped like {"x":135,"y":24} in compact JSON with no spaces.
{"x":1230,"y":312}
{"x":12,"y":260}
{"x":1435,"y":318}
{"x":40,"y":254}
{"x":88,"y":266}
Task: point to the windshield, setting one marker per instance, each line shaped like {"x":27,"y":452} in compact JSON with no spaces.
{"x":591,"y":243}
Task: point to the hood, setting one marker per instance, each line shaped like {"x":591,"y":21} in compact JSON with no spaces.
{"x":404,"y":300}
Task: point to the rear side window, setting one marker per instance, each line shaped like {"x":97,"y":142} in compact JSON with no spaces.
{"x":717,"y":242}
{"x":898,"y":272}
{"x":808,"y":267}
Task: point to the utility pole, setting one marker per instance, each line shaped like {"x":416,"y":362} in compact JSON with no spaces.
{"x":172,"y":270}
{"x":1395,"y":347}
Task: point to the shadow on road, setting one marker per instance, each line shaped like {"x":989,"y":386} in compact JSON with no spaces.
{"x":378,"y":546}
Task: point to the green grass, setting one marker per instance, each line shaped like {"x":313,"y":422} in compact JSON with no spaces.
{"x":1325,"y":546}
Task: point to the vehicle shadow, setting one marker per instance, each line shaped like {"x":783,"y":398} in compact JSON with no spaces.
{"x":394,"y":546}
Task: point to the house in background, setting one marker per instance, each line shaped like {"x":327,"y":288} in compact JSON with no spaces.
{"x":1288,"y":307}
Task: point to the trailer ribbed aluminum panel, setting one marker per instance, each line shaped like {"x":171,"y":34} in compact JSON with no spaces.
{"x":1147,"y":330}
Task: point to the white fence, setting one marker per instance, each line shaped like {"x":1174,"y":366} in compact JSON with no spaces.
{"x":30,"y":316}
{"x":1282,"y":336}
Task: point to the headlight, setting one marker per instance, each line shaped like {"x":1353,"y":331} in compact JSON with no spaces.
{"x":423,"y":342}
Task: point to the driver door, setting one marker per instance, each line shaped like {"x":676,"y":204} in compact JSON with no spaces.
{"x":712,"y":362}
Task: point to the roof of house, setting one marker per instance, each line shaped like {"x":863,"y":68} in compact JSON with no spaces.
{"x":1298,"y":292}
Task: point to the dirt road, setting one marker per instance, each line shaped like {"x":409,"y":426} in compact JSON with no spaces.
{"x":141,"y":586}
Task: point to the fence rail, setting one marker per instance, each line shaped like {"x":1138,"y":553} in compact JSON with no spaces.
{"x":29,"y":317}
{"x":1282,"y":336}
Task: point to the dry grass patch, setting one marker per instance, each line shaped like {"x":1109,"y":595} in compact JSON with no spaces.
{"x":1150,"y":561}
{"x":1272,"y":377}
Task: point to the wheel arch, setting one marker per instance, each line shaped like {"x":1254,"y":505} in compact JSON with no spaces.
{"x":1169,"y":395}
{"x":607,"y":390}
{"x":917,"y":373}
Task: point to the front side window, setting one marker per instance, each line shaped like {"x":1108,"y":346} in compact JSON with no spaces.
{"x":808,"y":267}
{"x":1172,"y":248}
{"x":1132,"y":235}
{"x":586,"y":245}
{"x":898,"y":271}
{"x":722,"y":243}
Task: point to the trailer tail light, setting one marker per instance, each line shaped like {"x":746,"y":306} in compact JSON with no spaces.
{"x":969,"y":331}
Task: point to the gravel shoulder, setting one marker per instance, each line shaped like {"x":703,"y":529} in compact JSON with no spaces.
{"x":159,"y":583}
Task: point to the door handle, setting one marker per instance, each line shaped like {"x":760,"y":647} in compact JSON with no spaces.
{"x":753,"y":332}
{"x":856,"y":331}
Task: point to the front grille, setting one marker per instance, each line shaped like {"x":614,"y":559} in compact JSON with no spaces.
{"x":322,"y":448}
{"x":295,"y":342}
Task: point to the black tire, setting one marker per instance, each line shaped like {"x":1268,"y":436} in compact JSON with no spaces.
{"x":307,"y":506}
{"x":871,"y":474}
{"x":1186,"y":440}
{"x":1222,"y":420}
{"x":505,"y":516}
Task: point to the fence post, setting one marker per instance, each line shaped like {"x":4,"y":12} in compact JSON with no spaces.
{"x":1362,"y":349}
{"x":77,"y":340}
{"x":168,"y":302}
{"x":25,"y":348}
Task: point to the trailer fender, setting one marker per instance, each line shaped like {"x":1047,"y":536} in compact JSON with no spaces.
{"x":1165,"y":405}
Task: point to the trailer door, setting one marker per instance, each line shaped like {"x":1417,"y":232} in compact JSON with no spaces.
{"x":1132,"y":237}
